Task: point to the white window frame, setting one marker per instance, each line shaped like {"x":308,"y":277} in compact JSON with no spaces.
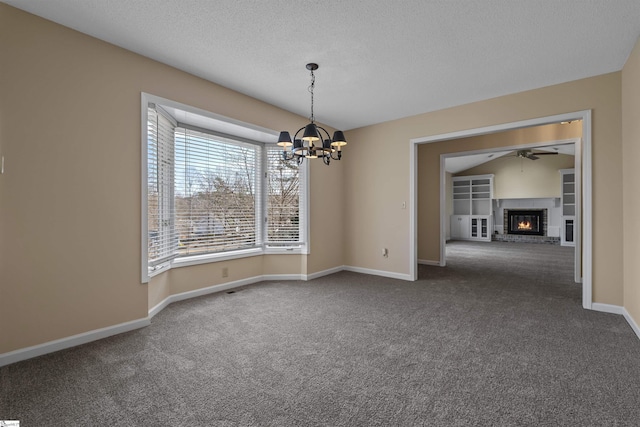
{"x":236,"y":128}
{"x":302,"y":247}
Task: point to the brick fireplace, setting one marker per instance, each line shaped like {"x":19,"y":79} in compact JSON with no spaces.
{"x":533,"y":220}
{"x":527,"y":222}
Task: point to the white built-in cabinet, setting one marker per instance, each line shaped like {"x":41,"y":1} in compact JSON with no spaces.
{"x":471,"y":219}
{"x":568,"y":203}
{"x":460,"y":226}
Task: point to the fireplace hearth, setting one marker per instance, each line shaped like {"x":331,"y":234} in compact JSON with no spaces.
{"x":531,"y":222}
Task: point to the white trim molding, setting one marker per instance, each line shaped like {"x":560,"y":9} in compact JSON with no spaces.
{"x":443,"y":209}
{"x":616,"y":309}
{"x":583,"y":169}
{"x":72,"y":341}
{"x":264,"y":278}
{"x":324,"y":273}
{"x":430,"y":262}
{"x":201,"y":292}
{"x":413,"y":212}
{"x":237,"y":284}
{"x":607,"y":308}
{"x":631,"y":322}
{"x":584,"y":221}
{"x":390,"y":274}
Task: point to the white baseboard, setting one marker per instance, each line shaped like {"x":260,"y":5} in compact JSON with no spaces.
{"x":72,"y":341}
{"x":236,"y":284}
{"x":382,"y":273}
{"x":607,"y":308}
{"x":324,"y":273}
{"x":86,"y":337}
{"x":282,"y":277}
{"x":429,"y":262}
{"x":208,"y":290}
{"x":632,"y":322}
{"x":616,"y":309}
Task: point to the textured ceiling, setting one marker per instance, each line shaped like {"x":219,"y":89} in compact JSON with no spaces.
{"x":379,"y":59}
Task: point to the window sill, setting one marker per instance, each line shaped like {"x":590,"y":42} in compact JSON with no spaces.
{"x":209,"y":258}
{"x":204,"y":259}
{"x":299,"y":250}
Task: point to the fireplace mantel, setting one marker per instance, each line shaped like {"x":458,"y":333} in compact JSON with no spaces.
{"x":529,"y":202}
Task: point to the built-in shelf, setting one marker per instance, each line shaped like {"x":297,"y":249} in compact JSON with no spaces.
{"x":568,"y":203}
{"x":472,"y":198}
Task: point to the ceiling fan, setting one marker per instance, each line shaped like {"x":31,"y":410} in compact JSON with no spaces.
{"x":528,"y":154}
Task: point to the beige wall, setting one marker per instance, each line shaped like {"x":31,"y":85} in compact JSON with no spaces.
{"x":631,"y":181}
{"x":70,"y":196}
{"x":379,"y":176}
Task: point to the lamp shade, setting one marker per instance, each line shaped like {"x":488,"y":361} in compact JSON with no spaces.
{"x":310,"y":133}
{"x":284,"y":140}
{"x":338,"y":139}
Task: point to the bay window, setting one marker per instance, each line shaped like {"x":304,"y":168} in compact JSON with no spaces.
{"x":215,"y":189}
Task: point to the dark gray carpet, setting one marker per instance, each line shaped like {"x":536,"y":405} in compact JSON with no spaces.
{"x":498,"y":338}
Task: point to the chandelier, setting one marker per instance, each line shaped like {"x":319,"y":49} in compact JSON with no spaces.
{"x":315,"y":142}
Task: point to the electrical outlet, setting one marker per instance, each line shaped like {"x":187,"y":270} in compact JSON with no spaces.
{"x":225,"y":271}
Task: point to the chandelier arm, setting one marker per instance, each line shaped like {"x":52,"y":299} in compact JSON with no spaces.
{"x":327,"y":154}
{"x":295,"y":136}
{"x":325,"y":132}
{"x":326,"y":159}
{"x":288,"y":155}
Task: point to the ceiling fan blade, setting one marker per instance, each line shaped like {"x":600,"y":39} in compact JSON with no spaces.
{"x":531,"y":155}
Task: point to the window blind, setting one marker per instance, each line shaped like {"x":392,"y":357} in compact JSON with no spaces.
{"x":284,"y":197}
{"x":162,"y":238}
{"x":217,"y":196}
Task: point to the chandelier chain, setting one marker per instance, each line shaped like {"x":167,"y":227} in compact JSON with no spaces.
{"x":313,"y":84}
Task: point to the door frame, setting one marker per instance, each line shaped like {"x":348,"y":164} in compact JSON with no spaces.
{"x":583,"y":173}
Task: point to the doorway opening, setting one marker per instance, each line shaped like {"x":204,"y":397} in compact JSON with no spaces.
{"x":583,"y":218}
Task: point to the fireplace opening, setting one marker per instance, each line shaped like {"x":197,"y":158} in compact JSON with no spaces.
{"x":528,"y":222}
